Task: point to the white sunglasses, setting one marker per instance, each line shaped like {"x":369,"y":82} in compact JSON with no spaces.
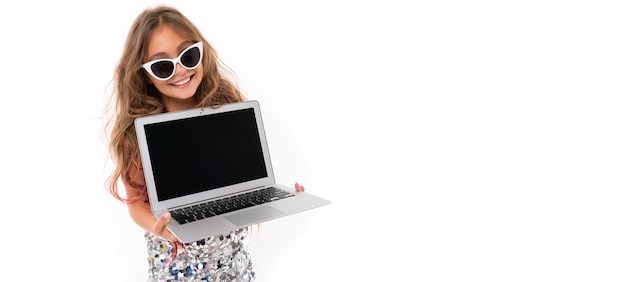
{"x":164,"y":69}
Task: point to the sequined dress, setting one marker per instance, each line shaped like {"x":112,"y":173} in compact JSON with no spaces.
{"x":217,"y":258}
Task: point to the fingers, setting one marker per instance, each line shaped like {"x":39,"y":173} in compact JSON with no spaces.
{"x":299,"y":187}
{"x":161,"y":230}
{"x":159,"y":226}
{"x":167,"y":234}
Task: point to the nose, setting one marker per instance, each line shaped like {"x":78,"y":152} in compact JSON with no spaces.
{"x":179,"y":69}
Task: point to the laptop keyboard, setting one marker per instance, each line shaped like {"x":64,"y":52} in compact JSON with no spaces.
{"x":228,"y":204}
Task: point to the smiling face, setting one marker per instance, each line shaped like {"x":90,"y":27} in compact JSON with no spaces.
{"x":178,"y":91}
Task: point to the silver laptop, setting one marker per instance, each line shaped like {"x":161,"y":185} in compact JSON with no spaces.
{"x":211,"y":169}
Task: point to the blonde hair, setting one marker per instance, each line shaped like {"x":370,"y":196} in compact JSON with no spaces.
{"x":134,"y":96}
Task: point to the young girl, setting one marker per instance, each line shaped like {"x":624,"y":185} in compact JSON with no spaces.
{"x":167,"y":65}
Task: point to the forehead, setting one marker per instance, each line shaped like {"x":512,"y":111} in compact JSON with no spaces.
{"x":165,"y":42}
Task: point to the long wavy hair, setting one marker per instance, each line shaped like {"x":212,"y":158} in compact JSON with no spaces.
{"x":133,"y":96}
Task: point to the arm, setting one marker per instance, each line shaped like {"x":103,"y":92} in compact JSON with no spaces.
{"x":141,"y":213}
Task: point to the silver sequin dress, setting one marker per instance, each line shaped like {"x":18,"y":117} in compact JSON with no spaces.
{"x":217,"y":258}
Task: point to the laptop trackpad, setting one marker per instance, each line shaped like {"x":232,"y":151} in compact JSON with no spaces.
{"x":253,"y":215}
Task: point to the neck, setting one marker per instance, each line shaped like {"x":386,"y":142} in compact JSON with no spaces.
{"x":173,"y":105}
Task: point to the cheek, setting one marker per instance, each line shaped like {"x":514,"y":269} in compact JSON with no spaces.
{"x":160,"y":85}
{"x":199,"y":72}
{"x":152,"y":80}
{"x":157,"y":83}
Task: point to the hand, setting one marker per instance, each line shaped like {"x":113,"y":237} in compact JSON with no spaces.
{"x":299,"y":188}
{"x":160,"y":230}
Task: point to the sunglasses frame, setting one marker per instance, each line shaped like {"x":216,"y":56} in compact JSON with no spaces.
{"x":176,"y":61}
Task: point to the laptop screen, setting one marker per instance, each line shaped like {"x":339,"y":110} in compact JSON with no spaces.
{"x":203,"y":153}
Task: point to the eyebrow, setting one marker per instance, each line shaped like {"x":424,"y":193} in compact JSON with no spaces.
{"x":179,"y":49}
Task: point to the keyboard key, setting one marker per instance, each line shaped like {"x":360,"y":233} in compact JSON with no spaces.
{"x":228,"y":204}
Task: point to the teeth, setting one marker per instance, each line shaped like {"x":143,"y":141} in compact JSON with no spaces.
{"x":181,"y":82}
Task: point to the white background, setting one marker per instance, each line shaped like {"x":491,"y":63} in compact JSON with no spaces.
{"x":458,"y":140}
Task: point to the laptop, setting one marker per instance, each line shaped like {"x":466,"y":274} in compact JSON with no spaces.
{"x":211,"y":169}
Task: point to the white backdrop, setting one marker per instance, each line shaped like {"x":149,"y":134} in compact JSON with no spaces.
{"x":458,"y":140}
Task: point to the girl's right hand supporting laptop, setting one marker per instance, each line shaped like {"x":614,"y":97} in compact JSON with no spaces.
{"x":161,"y":230}
{"x":142,"y":215}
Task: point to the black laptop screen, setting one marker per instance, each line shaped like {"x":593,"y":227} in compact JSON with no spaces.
{"x":203,"y":153}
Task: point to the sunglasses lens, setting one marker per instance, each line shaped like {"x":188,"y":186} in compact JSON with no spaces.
{"x":162,"y":69}
{"x":191,"y":58}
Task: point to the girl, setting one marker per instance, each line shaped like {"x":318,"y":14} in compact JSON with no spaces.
{"x":167,"y":65}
